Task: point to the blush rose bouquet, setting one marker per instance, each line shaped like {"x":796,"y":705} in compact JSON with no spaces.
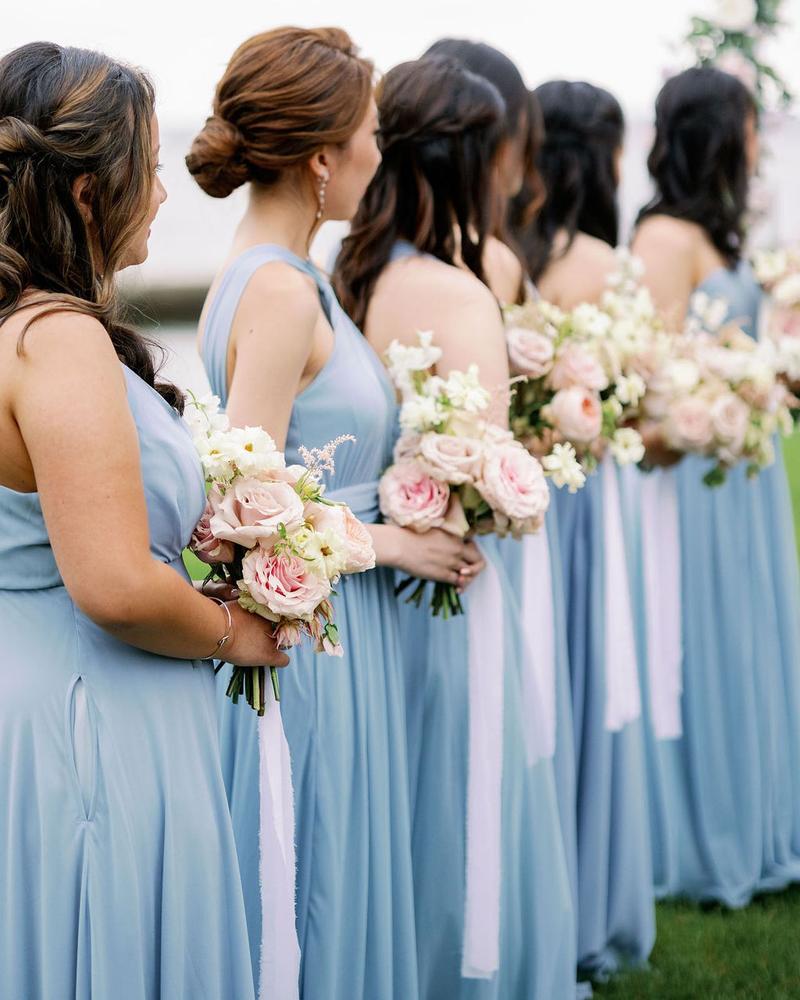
{"x":453,"y":467}
{"x":268,"y":530}
{"x":717,"y":393}
{"x":582,"y":374}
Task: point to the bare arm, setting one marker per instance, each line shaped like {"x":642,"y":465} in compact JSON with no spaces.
{"x":84,"y":451}
{"x":273,"y":335}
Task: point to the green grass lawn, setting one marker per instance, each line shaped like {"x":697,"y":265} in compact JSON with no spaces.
{"x":714,"y":954}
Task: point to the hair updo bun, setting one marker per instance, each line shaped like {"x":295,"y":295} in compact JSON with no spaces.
{"x":215,"y":160}
{"x":285,"y":95}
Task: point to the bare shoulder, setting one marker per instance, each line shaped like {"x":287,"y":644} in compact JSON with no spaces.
{"x":61,"y":342}
{"x":581,"y":275}
{"x":441,"y":283}
{"x":664,"y":231}
{"x":503,"y":270}
{"x":285,"y":290}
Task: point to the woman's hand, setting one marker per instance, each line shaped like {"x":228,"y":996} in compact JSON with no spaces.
{"x":252,"y":643}
{"x":437,"y":555}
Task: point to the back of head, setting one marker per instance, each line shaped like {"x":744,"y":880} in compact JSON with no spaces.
{"x":699,"y":159}
{"x":523,"y":118}
{"x":68,"y":113}
{"x":440,"y":130}
{"x":584,"y":129}
{"x":285,"y":95}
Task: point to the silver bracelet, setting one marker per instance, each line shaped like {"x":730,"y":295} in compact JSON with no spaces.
{"x":225,"y":638}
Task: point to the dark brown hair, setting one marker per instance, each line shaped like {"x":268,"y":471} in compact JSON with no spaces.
{"x":66,"y":112}
{"x":441,"y":127}
{"x":583,"y":132}
{"x":284,"y":95}
{"x":699,"y":160}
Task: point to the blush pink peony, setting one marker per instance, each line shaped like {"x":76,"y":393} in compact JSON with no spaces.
{"x":531,"y":353}
{"x":576,"y":367}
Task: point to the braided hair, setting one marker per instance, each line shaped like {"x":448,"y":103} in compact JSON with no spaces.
{"x":441,"y":127}
{"x":66,"y":113}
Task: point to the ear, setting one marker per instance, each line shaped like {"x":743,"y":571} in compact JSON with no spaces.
{"x":320,"y":166}
{"x":83,"y":193}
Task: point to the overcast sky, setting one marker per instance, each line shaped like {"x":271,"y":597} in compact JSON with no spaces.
{"x":625,"y":45}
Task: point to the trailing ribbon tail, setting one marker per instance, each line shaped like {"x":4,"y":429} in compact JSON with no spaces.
{"x":280,"y":950}
{"x":662,"y":591}
{"x":485,"y":622}
{"x":539,"y":660}
{"x":623,"y":697}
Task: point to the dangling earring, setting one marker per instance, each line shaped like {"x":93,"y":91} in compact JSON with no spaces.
{"x":323,"y":183}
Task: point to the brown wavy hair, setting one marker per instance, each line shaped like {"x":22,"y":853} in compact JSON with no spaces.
{"x":441,"y":127}
{"x":285,"y":95}
{"x":64,"y":113}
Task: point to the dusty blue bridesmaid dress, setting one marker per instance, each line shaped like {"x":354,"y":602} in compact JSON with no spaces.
{"x":536,"y":918}
{"x":616,"y":915}
{"x":731,"y":784}
{"x":344,"y":718}
{"x":119,"y":875}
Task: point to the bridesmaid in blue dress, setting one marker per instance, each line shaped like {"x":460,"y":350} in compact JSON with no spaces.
{"x":420,"y":267}
{"x":569,"y":248}
{"x":732,"y":826}
{"x":280,"y":352}
{"x":534,"y":564}
{"x":119,"y":874}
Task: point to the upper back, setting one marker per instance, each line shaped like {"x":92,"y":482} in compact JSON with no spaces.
{"x":578,"y":275}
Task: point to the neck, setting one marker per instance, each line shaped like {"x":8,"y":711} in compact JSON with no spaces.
{"x":278,"y":214}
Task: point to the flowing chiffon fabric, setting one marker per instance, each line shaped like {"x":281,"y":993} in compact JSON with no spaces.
{"x":729,"y":821}
{"x":119,"y":876}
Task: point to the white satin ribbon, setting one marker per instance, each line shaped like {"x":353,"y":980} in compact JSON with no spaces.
{"x":661,"y":556}
{"x":539,"y":664}
{"x":485,"y":624}
{"x":280,"y":950}
{"x":623,"y":697}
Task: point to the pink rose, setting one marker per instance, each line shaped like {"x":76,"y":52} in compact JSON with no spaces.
{"x":530,"y":353}
{"x":730,"y":417}
{"x":282,"y":585}
{"x":407,"y":446}
{"x":513,"y":483}
{"x":411,"y":498}
{"x":576,"y":414}
{"x":251,"y":511}
{"x":688,"y":425}
{"x":356,"y":539}
{"x":208,"y":548}
{"x":576,"y":367}
{"x":453,"y":459}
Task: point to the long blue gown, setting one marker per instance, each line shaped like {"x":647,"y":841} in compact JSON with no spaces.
{"x":344,"y":718}
{"x":537,"y":925}
{"x":119,"y":875}
{"x":731,"y":786}
{"x":616,"y":914}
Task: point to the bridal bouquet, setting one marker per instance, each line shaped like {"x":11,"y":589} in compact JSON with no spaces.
{"x":717,"y":394}
{"x":453,"y":468}
{"x":583,"y":373}
{"x":269,"y":531}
